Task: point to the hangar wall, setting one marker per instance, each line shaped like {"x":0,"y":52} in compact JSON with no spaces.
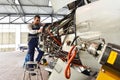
{"x":12,"y":36}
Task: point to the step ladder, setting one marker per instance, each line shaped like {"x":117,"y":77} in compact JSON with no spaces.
{"x":32,"y":71}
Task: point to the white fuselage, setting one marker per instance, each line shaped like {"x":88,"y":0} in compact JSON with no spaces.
{"x":102,"y":16}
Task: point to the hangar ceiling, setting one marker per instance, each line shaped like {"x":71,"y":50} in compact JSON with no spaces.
{"x":24,"y":10}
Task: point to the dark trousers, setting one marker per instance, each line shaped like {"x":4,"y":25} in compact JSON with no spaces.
{"x":32,"y":44}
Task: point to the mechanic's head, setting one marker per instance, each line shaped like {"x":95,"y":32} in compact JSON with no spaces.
{"x":36,"y":19}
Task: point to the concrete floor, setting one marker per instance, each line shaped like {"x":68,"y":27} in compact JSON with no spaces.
{"x":11,"y":66}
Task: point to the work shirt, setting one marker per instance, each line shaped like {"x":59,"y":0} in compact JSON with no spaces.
{"x":33,"y":31}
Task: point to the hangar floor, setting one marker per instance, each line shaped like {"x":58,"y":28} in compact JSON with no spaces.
{"x":11,"y":66}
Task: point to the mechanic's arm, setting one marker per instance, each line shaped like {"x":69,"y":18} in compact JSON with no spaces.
{"x":31,"y":31}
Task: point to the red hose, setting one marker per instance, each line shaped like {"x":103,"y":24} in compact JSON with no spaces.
{"x":70,"y":57}
{"x":51,"y":35}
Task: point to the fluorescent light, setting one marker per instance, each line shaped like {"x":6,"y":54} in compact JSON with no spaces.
{"x":17,"y":2}
{"x":50,"y":3}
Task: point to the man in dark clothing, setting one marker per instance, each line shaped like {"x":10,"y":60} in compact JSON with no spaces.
{"x":35,"y":28}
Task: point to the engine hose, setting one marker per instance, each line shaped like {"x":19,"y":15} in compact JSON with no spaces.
{"x":70,"y":57}
{"x":51,"y":35}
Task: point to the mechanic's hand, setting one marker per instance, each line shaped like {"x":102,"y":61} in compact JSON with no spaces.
{"x":40,"y":30}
